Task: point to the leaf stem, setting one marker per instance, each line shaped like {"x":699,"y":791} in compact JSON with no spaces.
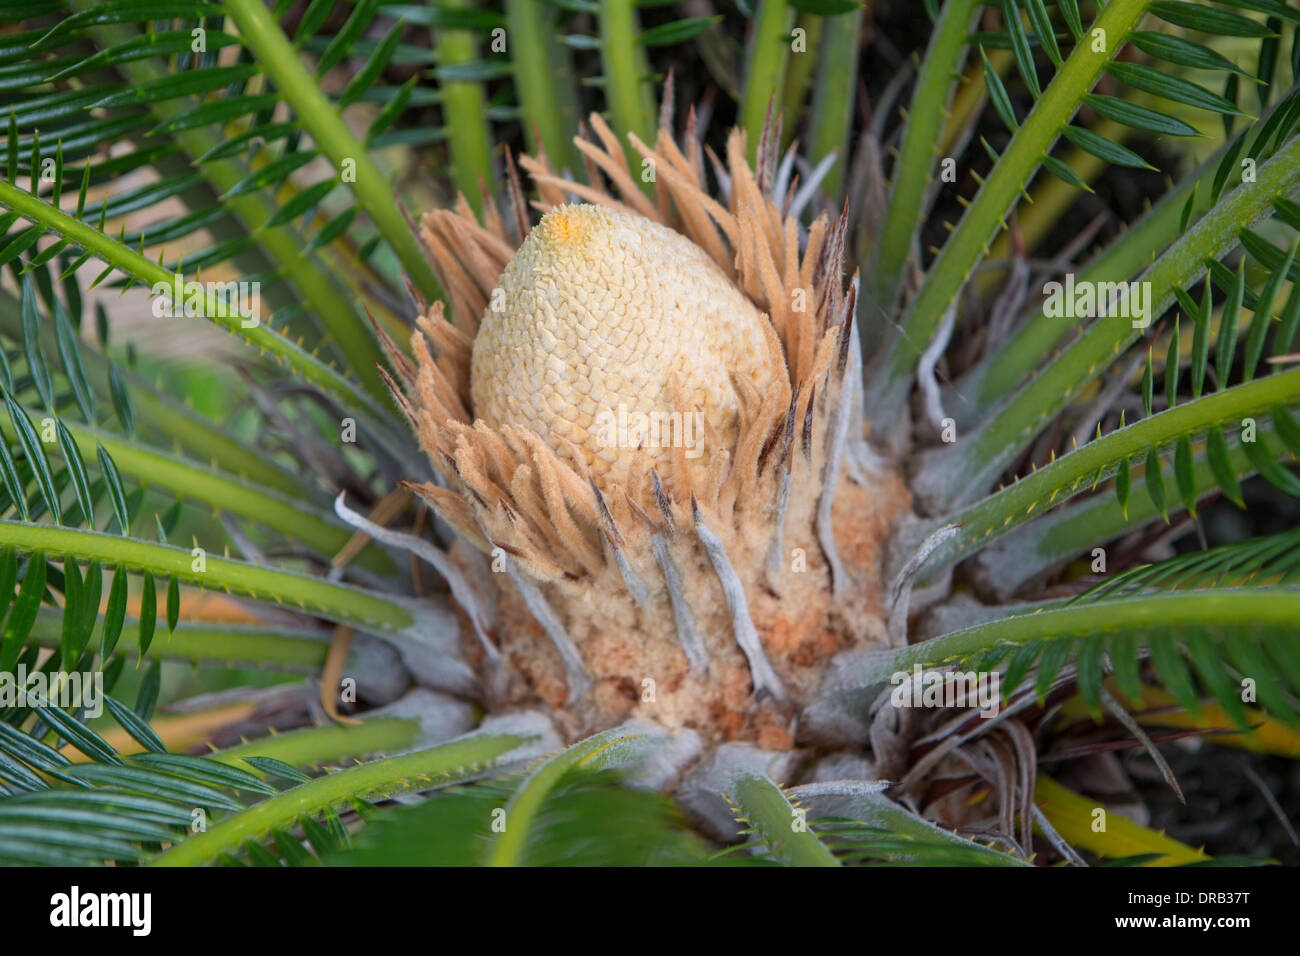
{"x":283,"y":351}
{"x":972,"y":464}
{"x":220,"y":491}
{"x":769,"y":55}
{"x":526,"y":802}
{"x":336,"y":602}
{"x":279,"y":59}
{"x":833,"y":95}
{"x":1057,"y":482}
{"x":1074,"y":528}
{"x":631,"y":105}
{"x":424,"y":769}
{"x":544,"y":82}
{"x":1237,"y":608}
{"x":914,"y":167}
{"x":253,"y":210}
{"x":998,"y":194}
{"x":310,"y":746}
{"x":293,"y":651}
{"x":465,"y":111}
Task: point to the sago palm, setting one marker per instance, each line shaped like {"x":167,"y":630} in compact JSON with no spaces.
{"x":654,"y":433}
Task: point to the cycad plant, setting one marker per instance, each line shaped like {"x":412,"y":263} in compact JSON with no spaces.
{"x":653,"y":433}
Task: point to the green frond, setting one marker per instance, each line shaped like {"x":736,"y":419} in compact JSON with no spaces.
{"x":337,"y":602}
{"x":981,"y":455}
{"x":57,"y":812}
{"x":1238,"y":640}
{"x":1057,"y":103}
{"x":1240,"y":406}
{"x":422,"y":770}
{"x":295,"y":145}
{"x":589,"y":819}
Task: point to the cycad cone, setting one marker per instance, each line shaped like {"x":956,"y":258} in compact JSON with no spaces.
{"x":607,"y":319}
{"x":635,"y":565}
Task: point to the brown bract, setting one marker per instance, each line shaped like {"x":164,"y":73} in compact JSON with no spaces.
{"x":698,"y":577}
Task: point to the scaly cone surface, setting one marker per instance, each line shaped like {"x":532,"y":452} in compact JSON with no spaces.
{"x":615,"y":333}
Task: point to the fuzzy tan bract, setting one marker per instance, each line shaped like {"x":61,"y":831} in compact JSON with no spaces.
{"x":636,"y":581}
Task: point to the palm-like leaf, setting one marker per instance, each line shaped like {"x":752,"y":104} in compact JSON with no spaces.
{"x":266,"y":143}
